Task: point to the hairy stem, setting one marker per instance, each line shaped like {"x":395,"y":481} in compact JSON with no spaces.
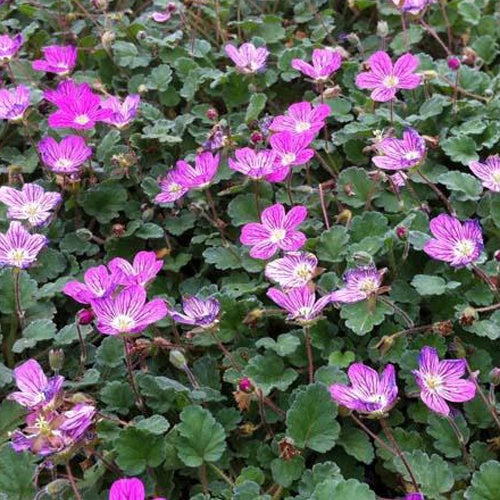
{"x":438,"y":192}
{"x":461,"y":440}
{"x":83,"y":348}
{"x":17,"y":297}
{"x":310,"y":359}
{"x":130,"y":370}
{"x":73,"y":482}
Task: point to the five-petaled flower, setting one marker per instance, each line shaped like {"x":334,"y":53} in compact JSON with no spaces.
{"x":201,"y":175}
{"x":255,"y":164}
{"x":413,"y":7}
{"x":293,"y":270}
{"x":454,"y":242}
{"x":9,"y":46}
{"x":196,"y":311}
{"x":19,"y":248}
{"x":59,"y":59}
{"x":276,"y":231}
{"x":360,"y":284}
{"x":13,"y":103}
{"x":301,"y":117}
{"x":441,"y":381}
{"x":98,"y":282}
{"x":369,"y":392}
{"x":488,"y":172}
{"x":65,"y":157}
{"x":129,"y":488}
{"x":122,"y":114}
{"x":171,"y":189}
{"x":324,"y":63}
{"x":248,"y":58}
{"x":144,"y":268}
{"x":386,"y":79}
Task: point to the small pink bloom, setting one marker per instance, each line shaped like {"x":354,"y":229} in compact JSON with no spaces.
{"x":294,"y":270}
{"x":122,"y":114}
{"x":248,"y":59}
{"x":302,"y":117}
{"x":277,"y":230}
{"x":324,"y":63}
{"x":13,"y":103}
{"x":488,"y":172}
{"x":387,"y":79}
{"x":58,"y":59}
{"x":161,"y":17}
{"x":360,"y":284}
{"x":413,"y":7}
{"x":19,"y":248}
{"x":128,"y":489}
{"x":9,"y":46}
{"x":98,"y":283}
{"x":199,"y":312}
{"x":144,"y":268}
{"x":255,"y":164}
{"x":199,"y":176}
{"x":171,"y":189}
{"x":65,"y":157}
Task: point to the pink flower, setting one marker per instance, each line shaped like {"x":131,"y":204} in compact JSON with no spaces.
{"x":98,"y":283}
{"x":453,"y":242}
{"x":60,"y":59}
{"x":277,"y":231}
{"x":291,"y":150}
{"x":488,"y":172}
{"x":128,"y":312}
{"x":248,"y":59}
{"x":9,"y":46}
{"x":122,"y":114}
{"x":144,"y":269}
{"x":171,"y":189}
{"x":440,"y":381}
{"x":294,"y":270}
{"x":199,"y":176}
{"x":18,"y":248}
{"x":360,"y":284}
{"x":32,"y":203}
{"x":128,"y":489}
{"x":65,"y":157}
{"x":387,"y":79}
{"x":13,"y":103}
{"x":300,"y":303}
{"x":324,"y":63}
{"x":35,"y":389}
{"x":413,"y":7}
{"x":301,"y":117}
{"x":202,"y":313}
{"x":255,"y":164}
{"x":401,"y":154}
{"x":368,"y":393}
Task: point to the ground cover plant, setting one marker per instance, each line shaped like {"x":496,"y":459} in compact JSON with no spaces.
{"x":249,"y":250}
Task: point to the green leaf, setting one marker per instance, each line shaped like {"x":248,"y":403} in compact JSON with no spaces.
{"x":332,"y":244}
{"x":28,"y":289}
{"x":160,"y":78}
{"x":269,"y":372}
{"x":157,"y":424}
{"x":485,"y":483}
{"x":38,"y":330}
{"x":355,"y":188}
{"x":16,"y":474}
{"x":11,"y":416}
{"x":357,"y":444}
{"x":104,"y":201}
{"x":464,"y":186}
{"x":285,"y":472}
{"x":362,"y":317}
{"x":284,"y":345}
{"x":461,"y":149}
{"x":432,"y":285}
{"x":129,"y":56}
{"x":350,"y":489}
{"x":201,"y":437}
{"x":255,"y":106}
{"x":116,"y":396}
{"x":470,"y":13}
{"x":223,"y":258}
{"x":319,"y":473}
{"x":110,"y":352}
{"x":445,"y":439}
{"x":243,"y":209}
{"x":311,"y":419}
{"x":137,"y":449}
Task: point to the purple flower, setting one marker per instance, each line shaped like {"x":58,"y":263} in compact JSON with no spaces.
{"x":368,"y":393}
{"x":98,"y":283}
{"x":453,"y":242}
{"x":19,"y":248}
{"x":276,"y":231}
{"x":60,"y":59}
{"x":301,"y":303}
{"x":171,"y":190}
{"x":324,"y":63}
{"x":488,"y":172}
{"x":413,"y":7}
{"x":248,"y":59}
{"x":202,"y":313}
{"x":255,"y":164}
{"x":122,"y":114}
{"x":199,"y":176}
{"x":77,"y":421}
{"x":65,"y":157}
{"x":128,"y":312}
{"x":360,"y":283}
{"x":13,"y":103}
{"x":291,"y":150}
{"x":9,"y":46}
{"x":35,"y":390}
{"x":414,"y":496}
{"x":397,"y":180}
{"x":387,"y":79}
{"x":129,"y":489}
{"x":161,"y":17}
{"x":32,"y":203}
{"x":79,"y":107}
{"x":441,"y":381}
{"x":294,"y":270}
{"x":400,"y":154}
{"x":144,"y":269}
{"x":302,"y":117}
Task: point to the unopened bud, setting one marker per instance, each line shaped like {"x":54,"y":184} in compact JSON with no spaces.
{"x":344,"y":217}
{"x":141,"y":35}
{"x":245,"y":385}
{"x":118,"y":230}
{"x":171,"y":6}
{"x":458,"y":348}
{"x":256,"y":137}
{"x":429,"y":74}
{"x":147,"y":214}
{"x":469,"y":57}
{"x":142,"y":89}
{"x":212,"y":114}
{"x":362,"y":259}
{"x":56,"y":488}
{"x":332,"y":92}
{"x":84,"y":316}
{"x":402,"y":233}
{"x":253,"y":316}
{"x":56,"y":359}
{"x":108,"y":38}
{"x":495,"y":376}
{"x":489,"y":93}
{"x":496,"y":255}
{"x":84,"y":234}
{"x":177,"y":359}
{"x":468,"y":316}
{"x":382,"y":29}
{"x":353,"y":39}
{"x":443,"y":328}
{"x":100,"y":4}
{"x":454,"y":63}
{"x":385,"y":344}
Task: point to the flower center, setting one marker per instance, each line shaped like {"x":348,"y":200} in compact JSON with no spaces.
{"x":17,"y":257}
{"x":302,"y":126}
{"x":304,"y":312}
{"x":277,"y":235}
{"x":391,"y":81}
{"x":433,"y":382}
{"x":303,"y":271}
{"x":63,"y":163}
{"x":465,"y":248}
{"x":411,"y":155}
{"x":368,"y":285}
{"x":43,"y":426}
{"x":496,"y":176}
{"x":32,"y":209}
{"x":377,"y":400}
{"x":123,"y":323}
{"x":174,"y":187}
{"x":82,"y":119}
{"x":288,"y":158}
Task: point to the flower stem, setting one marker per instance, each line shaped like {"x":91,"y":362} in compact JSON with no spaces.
{"x":256,"y":190}
{"x":447,"y":22}
{"x":436,"y":37}
{"x":376,"y":438}
{"x":83,"y":349}
{"x":310,"y":359}
{"x":203,"y":479}
{"x":221,"y":474}
{"x":73,"y":482}
{"x":323,"y":205}
{"x":398,"y":310}
{"x":438,"y":192}
{"x":289,"y":187}
{"x":133,"y":382}
{"x":405,"y":32}
{"x":399,"y":452}
{"x":461,"y":440}
{"x":224,"y":350}
{"x":484,"y":277}
{"x":216,"y":220}
{"x":17,"y":297}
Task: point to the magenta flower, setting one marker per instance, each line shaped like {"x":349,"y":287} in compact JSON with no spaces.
{"x":324,"y":63}
{"x":9,"y":46}
{"x":488,"y":172}
{"x":199,"y":312}
{"x":398,"y":180}
{"x":414,"y":496}
{"x":128,"y":489}
{"x":79,"y":107}
{"x":199,"y":176}
{"x":98,"y":283}
{"x":248,"y":59}
{"x":413,"y":7}
{"x":32,"y":203}
{"x":77,"y":421}
{"x":276,"y":231}
{"x":291,"y":150}
{"x":360,"y":284}
{"x":128,"y":312}
{"x":35,"y":389}
{"x":401,"y":154}
{"x":294,"y":270}
{"x":440,"y":381}
{"x":368,"y":393}
{"x":301,"y":303}
{"x":60,"y":59}
{"x":387,"y":79}
{"x":144,"y":268}
{"x":453,"y":242}
{"x":19,"y":248}
{"x":65,"y":157}
{"x":301,"y":117}
{"x":255,"y":164}
{"x":13,"y":103}
{"x":122,"y":114}
{"x":171,"y":190}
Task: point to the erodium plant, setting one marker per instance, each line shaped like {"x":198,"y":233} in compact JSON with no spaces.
{"x":249,"y":250}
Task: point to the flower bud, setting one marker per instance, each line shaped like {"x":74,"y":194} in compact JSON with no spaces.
{"x":147,"y":214}
{"x":382,"y":29}
{"x":212,"y":114}
{"x":142,"y":89}
{"x":443,"y":328}
{"x":454,"y":63}
{"x":118,"y":230}
{"x":108,"y":38}
{"x":141,"y":35}
{"x":344,"y":217}
{"x":468,"y":316}
{"x":84,"y":234}
{"x":56,"y":359}
{"x":402,"y":233}
{"x":458,"y":347}
{"x":245,"y":385}
{"x":496,"y":255}
{"x":177,"y":359}
{"x":171,"y":6}
{"x":100,"y":4}
{"x":332,"y":92}
{"x":489,"y":93}
{"x":256,"y":137}
{"x":85,"y":316}
{"x":469,"y":57}
{"x":56,"y":488}
{"x":385,"y":344}
{"x":495,"y":376}
{"x":253,"y":316}
{"x":362,"y":258}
